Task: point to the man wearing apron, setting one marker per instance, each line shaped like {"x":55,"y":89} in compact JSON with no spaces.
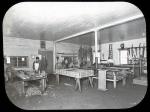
{"x":36,"y":65}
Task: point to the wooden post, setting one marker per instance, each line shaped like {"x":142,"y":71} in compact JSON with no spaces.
{"x":96,"y":54}
{"x":115,"y":79}
{"x":124,"y":81}
{"x":43,"y":84}
{"x":76,"y":84}
{"x":79,"y":84}
{"x":57,"y":78}
{"x":54,"y":56}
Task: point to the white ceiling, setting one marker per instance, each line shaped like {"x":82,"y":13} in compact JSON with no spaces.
{"x":56,"y":20}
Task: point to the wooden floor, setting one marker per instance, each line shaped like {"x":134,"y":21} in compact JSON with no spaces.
{"x":64,"y":96}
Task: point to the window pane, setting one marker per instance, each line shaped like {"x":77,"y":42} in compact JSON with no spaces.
{"x":19,"y":62}
{"x":24,"y":61}
{"x":13,"y":61}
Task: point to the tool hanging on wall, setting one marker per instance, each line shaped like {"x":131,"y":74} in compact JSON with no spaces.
{"x":133,"y":56}
{"x":129,"y":55}
{"x":90,"y":53}
{"x":132,"y":50}
{"x":136,"y":54}
{"x":110,"y":51}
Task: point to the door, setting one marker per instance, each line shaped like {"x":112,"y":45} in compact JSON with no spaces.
{"x":123,"y":57}
{"x":49,"y":58}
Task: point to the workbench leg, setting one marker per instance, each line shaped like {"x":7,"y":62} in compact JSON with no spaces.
{"x":92,"y":79}
{"x":23,"y":91}
{"x":79,"y":84}
{"x":43,"y":85}
{"x":45,"y":82}
{"x":124,"y":81}
{"x":114,"y":82}
{"x":57,"y":78}
{"x":91,"y":82}
{"x":76,"y":84}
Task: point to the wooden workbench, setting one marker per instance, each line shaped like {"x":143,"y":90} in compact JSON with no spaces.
{"x":31,"y":76}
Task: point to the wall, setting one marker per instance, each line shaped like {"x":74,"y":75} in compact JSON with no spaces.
{"x":116,"y":45}
{"x":67,"y":48}
{"x":133,"y":32}
{"x":127,"y":31}
{"x":13,"y":46}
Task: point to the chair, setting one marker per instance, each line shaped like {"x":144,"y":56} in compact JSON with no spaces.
{"x":115,"y":76}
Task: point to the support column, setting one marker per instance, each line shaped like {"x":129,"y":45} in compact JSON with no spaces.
{"x":96,"y":52}
{"x":54,"y":56}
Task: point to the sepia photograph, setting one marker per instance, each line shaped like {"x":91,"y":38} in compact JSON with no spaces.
{"x":75,"y":55}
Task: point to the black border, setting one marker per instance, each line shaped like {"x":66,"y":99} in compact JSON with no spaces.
{"x":6,"y":105}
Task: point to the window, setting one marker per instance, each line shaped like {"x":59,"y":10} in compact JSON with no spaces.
{"x":19,"y":61}
{"x":13,"y":61}
{"x":43,"y":44}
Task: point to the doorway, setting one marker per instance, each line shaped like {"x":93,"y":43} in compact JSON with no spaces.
{"x":49,"y":57}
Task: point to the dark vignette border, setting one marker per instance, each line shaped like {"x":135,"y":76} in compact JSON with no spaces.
{"x":6,"y":105}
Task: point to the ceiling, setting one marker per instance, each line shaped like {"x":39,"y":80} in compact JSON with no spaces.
{"x":55,"y":20}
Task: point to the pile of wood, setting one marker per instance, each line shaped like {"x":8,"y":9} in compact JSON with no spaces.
{"x":33,"y":91}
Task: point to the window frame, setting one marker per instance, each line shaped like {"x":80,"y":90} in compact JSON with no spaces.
{"x":18,"y":63}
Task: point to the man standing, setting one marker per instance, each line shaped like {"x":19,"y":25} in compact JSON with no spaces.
{"x":36,"y":65}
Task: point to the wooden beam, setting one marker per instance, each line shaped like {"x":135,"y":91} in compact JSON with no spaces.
{"x":103,"y":26}
{"x":75,"y":35}
{"x":121,"y":21}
